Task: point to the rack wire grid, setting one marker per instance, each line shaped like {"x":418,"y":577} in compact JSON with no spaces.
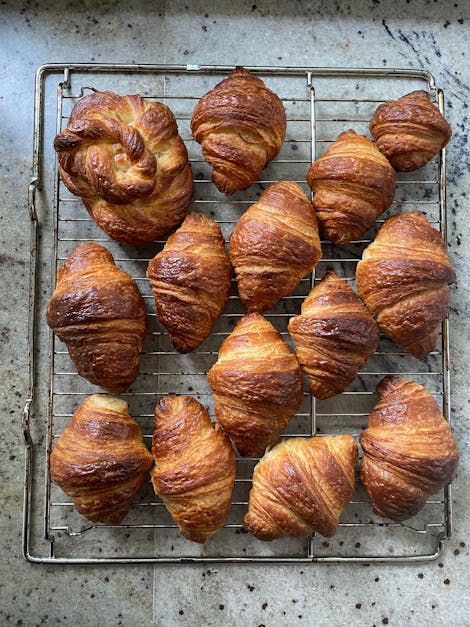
{"x":320,"y":103}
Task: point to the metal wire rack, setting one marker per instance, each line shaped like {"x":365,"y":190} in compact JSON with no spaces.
{"x":320,"y":103}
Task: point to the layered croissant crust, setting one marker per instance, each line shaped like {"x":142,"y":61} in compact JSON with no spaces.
{"x":353,"y":183}
{"x":274,"y":244}
{"x":409,"y":131}
{"x":301,"y":486}
{"x":257,"y":385}
{"x":97,"y":310}
{"x":403,"y":278}
{"x":241,"y":126}
{"x":124,"y":157}
{"x":409,"y":450}
{"x":100,"y":459}
{"x":190,"y":280}
{"x":194,"y":470}
{"x":334,"y":336}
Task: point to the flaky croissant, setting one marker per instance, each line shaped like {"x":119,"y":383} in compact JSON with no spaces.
{"x":334,"y":336}
{"x":100,"y":459}
{"x":97,"y":310}
{"x":274,"y":244}
{"x":403,"y":278}
{"x":257,"y":385}
{"x":190,"y":280}
{"x":409,"y":450}
{"x":353,"y":183}
{"x":124,"y":157}
{"x":409,"y":131}
{"x":194,"y":470}
{"x":301,"y":486}
{"x":241,"y":126}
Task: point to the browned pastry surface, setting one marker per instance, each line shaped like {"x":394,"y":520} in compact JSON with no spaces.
{"x":301,"y":486}
{"x":403,"y":278}
{"x":353,"y":183}
{"x":257,"y":385}
{"x":124,"y":157}
{"x":194,"y":470}
{"x":274,"y":244}
{"x":97,"y":310}
{"x":100,"y":459}
{"x":409,"y":131}
{"x":190,"y":280}
{"x":334,"y":336}
{"x":409,"y":450}
{"x":241,"y":126}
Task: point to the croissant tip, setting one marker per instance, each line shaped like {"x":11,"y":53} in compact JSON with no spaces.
{"x":389,"y":383}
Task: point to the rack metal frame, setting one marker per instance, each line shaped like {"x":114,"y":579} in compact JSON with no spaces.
{"x":441,"y":530}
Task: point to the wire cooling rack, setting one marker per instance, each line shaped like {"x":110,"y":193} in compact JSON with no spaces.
{"x":320,"y":103}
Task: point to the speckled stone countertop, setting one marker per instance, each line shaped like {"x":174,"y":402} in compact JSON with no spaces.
{"x":376,"y":33}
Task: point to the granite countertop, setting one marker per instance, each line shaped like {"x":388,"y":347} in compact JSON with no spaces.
{"x":378,"y":33}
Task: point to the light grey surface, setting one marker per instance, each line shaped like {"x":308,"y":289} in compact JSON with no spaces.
{"x":422,"y":34}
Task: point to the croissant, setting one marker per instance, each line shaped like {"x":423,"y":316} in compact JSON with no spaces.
{"x":124,"y":157}
{"x":194,"y":470}
{"x":353,"y":184}
{"x":409,"y":450}
{"x":403,"y":279}
{"x":301,"y":486}
{"x":257,"y":385}
{"x":409,"y":131}
{"x":241,"y":126}
{"x":334,"y":336}
{"x":100,"y":459}
{"x":97,"y":310}
{"x":274,"y":244}
{"x":190,"y":280}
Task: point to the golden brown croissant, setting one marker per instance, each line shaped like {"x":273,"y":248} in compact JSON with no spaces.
{"x":194,"y":470}
{"x":409,"y":131}
{"x":97,"y":310}
{"x":353,"y":183}
{"x":409,"y":450}
{"x":241,"y":126}
{"x":257,"y":385}
{"x":301,"y":486}
{"x":403,"y":279}
{"x":190,"y":280}
{"x":334,"y":336}
{"x":124,"y":157}
{"x":100,"y":459}
{"x":274,"y":244}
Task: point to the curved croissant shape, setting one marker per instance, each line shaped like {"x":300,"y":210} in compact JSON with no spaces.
{"x":190,"y":280}
{"x":334,"y":336}
{"x":257,"y":385}
{"x":301,"y":486}
{"x":409,"y":131}
{"x":403,"y":278}
{"x":274,"y":244}
{"x":194,"y":470}
{"x":241,"y":126}
{"x":100,"y":459}
{"x":97,"y":310}
{"x":409,"y":450}
{"x":124,"y":157}
{"x":353,"y":183}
